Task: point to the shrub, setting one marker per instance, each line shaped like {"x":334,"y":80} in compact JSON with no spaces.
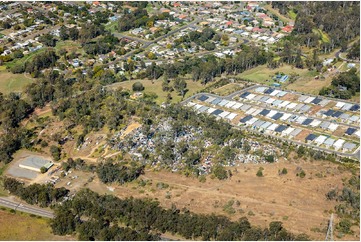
{"x":138,"y":87}
{"x":259,"y":173}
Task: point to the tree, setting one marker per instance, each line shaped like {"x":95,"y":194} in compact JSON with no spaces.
{"x":180,"y":86}
{"x":137,"y":87}
{"x":259,"y":173}
{"x":55,"y":152}
{"x":220,"y":172}
{"x":43,"y":169}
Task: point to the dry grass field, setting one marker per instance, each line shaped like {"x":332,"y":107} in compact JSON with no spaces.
{"x":22,"y":226}
{"x":299,"y":203}
{"x":228,"y":89}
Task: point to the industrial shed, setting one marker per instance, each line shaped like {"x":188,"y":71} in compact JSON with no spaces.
{"x":35,"y":163}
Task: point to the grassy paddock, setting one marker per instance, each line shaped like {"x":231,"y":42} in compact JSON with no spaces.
{"x":262,"y":73}
{"x":10,"y":82}
{"x":156,"y":87}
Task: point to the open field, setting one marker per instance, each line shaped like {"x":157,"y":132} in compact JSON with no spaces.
{"x":10,"y":82}
{"x":22,"y":226}
{"x":277,"y":13}
{"x":309,"y":85}
{"x":299,"y":203}
{"x":156,"y":87}
{"x":228,"y":89}
{"x":262,"y":73}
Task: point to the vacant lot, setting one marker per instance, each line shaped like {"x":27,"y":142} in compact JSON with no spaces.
{"x":10,"y":82}
{"x":261,"y":74}
{"x":156,"y":87}
{"x":22,"y":226}
{"x":299,"y":203}
{"x":228,"y":89}
{"x":309,"y":85}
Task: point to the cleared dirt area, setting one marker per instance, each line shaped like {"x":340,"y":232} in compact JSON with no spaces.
{"x":299,"y":203}
{"x":302,"y":136}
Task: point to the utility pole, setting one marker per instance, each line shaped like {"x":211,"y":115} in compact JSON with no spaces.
{"x":329,"y":235}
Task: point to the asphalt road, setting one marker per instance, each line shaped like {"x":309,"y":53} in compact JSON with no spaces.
{"x":7,"y":202}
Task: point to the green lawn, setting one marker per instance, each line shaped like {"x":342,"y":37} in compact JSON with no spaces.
{"x":292,"y":14}
{"x":262,"y":73}
{"x":10,"y":82}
